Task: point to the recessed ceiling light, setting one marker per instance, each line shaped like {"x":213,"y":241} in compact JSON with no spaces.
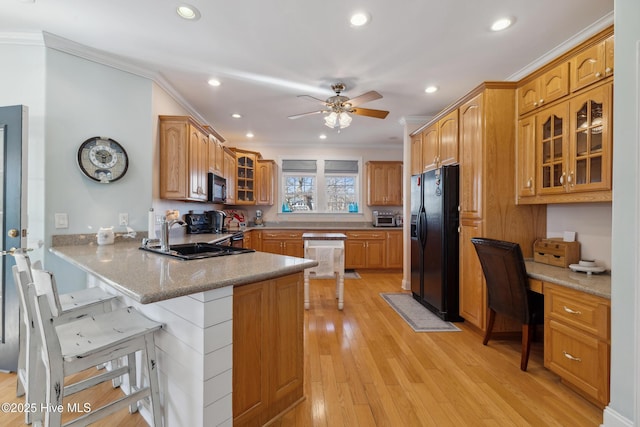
{"x":214,"y":82}
{"x":431,"y":89}
{"x":322,"y":136}
{"x":250,"y":135}
{"x":360,"y":19}
{"x":189,"y":12}
{"x":236,"y":116}
{"x":501,"y":24}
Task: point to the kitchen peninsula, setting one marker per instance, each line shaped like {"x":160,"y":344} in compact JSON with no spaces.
{"x":210,"y":309}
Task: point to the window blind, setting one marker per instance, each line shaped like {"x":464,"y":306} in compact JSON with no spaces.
{"x":341,"y":166}
{"x":299,"y":166}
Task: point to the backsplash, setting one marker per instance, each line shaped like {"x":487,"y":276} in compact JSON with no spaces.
{"x":592,"y":224}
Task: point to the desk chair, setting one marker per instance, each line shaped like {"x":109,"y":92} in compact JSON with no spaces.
{"x":71,"y":347}
{"x":73,"y":305}
{"x":508,"y":291}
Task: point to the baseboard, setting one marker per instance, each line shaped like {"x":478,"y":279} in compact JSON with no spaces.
{"x":612,"y":418}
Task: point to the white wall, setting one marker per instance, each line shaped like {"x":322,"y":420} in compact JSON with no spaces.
{"x":86,"y":99}
{"x":625,"y":277}
{"x":592,"y":224}
{"x":22,"y":83}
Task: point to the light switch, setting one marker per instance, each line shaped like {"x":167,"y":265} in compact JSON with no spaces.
{"x":61,"y":220}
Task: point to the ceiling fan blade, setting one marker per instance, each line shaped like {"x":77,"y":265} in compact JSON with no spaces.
{"x":372,"y":95}
{"x":297,"y":116}
{"x":378,"y":114}
{"x":313,"y":99}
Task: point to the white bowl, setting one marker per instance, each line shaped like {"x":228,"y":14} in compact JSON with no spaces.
{"x":587,"y":263}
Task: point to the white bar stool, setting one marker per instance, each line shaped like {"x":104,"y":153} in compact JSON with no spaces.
{"x":73,"y":306}
{"x":329,"y":249}
{"x":72,"y":347}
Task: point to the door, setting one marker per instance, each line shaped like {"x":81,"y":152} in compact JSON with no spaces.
{"x":13,"y":132}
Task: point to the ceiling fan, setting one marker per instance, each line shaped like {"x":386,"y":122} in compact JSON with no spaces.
{"x":337,"y":107}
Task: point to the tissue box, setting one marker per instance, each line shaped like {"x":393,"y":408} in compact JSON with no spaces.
{"x":556,"y":252}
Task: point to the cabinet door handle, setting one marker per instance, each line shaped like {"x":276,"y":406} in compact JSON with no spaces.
{"x":530,"y":183}
{"x":570,"y":311}
{"x":570,"y":178}
{"x":571,"y":357}
{"x":562,"y":178}
{"x":598,"y":74}
{"x":608,"y":70}
{"x":541,"y":101}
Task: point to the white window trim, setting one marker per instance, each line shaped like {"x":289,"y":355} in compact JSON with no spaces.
{"x":320,"y":189}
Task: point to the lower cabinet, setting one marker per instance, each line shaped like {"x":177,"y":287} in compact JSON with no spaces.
{"x":577,"y":340}
{"x":365,"y":249}
{"x":283,"y":243}
{"x":268,"y":349}
{"x":394,"y":249}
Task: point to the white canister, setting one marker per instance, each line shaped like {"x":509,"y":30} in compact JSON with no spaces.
{"x":105,"y":236}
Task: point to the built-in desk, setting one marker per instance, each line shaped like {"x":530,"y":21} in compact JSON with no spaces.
{"x":577,"y":327}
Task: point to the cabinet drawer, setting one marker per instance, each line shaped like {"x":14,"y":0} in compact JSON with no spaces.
{"x":366,"y":235}
{"x":586,"y":312}
{"x":281,"y":235}
{"x":580,"y":359}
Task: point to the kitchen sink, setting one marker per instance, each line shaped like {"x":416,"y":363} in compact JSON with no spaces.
{"x":189,"y":251}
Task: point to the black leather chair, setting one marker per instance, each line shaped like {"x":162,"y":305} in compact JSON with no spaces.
{"x":508,"y":290}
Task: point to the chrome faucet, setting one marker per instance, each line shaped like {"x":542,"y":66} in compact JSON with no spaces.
{"x":164,"y":232}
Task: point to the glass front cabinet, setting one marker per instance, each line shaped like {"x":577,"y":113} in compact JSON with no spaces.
{"x":573,"y":144}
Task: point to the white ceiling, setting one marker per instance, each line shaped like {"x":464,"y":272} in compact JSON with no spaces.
{"x":266,"y":52}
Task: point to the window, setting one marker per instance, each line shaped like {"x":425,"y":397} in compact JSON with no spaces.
{"x":320,"y":186}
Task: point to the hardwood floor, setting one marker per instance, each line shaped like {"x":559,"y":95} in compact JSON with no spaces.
{"x":365,"y":366}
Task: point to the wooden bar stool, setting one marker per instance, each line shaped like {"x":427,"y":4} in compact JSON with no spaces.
{"x":70,"y":347}
{"x":72,"y":306}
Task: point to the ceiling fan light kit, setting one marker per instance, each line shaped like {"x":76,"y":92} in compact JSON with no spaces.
{"x":339,"y":107}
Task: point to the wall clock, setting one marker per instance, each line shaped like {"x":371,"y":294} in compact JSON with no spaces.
{"x":102,"y":159}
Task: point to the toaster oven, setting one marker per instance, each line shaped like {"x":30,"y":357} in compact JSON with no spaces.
{"x":384,"y":219}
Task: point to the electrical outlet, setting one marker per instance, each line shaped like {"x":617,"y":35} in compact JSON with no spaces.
{"x":61,"y":220}
{"x":123,"y":219}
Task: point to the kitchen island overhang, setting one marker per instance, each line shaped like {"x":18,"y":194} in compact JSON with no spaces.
{"x":194,"y":300}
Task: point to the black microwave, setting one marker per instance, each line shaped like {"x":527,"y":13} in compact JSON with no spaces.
{"x":217,"y":188}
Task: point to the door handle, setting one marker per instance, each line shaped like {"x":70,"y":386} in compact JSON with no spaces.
{"x":13,"y":233}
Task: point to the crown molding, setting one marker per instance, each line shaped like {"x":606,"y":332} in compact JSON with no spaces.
{"x":596,"y":27}
{"x":22,"y":39}
{"x":128,"y":65}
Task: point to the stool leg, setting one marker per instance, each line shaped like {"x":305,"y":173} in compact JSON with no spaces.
{"x":53,"y":393}
{"x":133,"y":380}
{"x":153,"y":379}
{"x":341,"y":290}
{"x":306,"y":289}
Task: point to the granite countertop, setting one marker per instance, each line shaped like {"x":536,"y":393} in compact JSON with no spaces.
{"x":595,"y":284}
{"x":148,"y":277}
{"x":315,"y":225}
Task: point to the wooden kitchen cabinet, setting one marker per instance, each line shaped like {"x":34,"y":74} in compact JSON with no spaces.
{"x":184,"y":154}
{"x":394,"y":249}
{"x":384,"y":183}
{"x":283,"y":243}
{"x":229,"y":172}
{"x":265,"y":181}
{"x":416,"y":154}
{"x":552,"y":85}
{"x":577,"y":340}
{"x":487,"y":206}
{"x":268,"y":349}
{"x":592,"y":64}
{"x":574,"y":149}
{"x":245,"y":177}
{"x":526,"y":158}
{"x":440,"y":142}
{"x":365,"y":249}
{"x":216,"y":152}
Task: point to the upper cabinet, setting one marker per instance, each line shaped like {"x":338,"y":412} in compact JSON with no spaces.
{"x":245,"y":178}
{"x":564,"y":146}
{"x":592,"y":64}
{"x":265,"y":184}
{"x":438,"y":144}
{"x":184,"y":146}
{"x":216,"y":156}
{"x":229,"y":172}
{"x":552,"y":85}
{"x":384,"y":183}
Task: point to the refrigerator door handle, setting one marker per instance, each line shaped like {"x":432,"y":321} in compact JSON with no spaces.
{"x":422,"y":226}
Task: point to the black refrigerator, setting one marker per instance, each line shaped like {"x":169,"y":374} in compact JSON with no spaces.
{"x":434,"y":241}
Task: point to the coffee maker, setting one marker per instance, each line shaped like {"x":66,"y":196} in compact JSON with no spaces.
{"x":216,"y":221}
{"x":258,"y":221}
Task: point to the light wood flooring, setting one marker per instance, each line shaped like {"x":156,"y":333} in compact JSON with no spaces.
{"x":364,"y":366}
